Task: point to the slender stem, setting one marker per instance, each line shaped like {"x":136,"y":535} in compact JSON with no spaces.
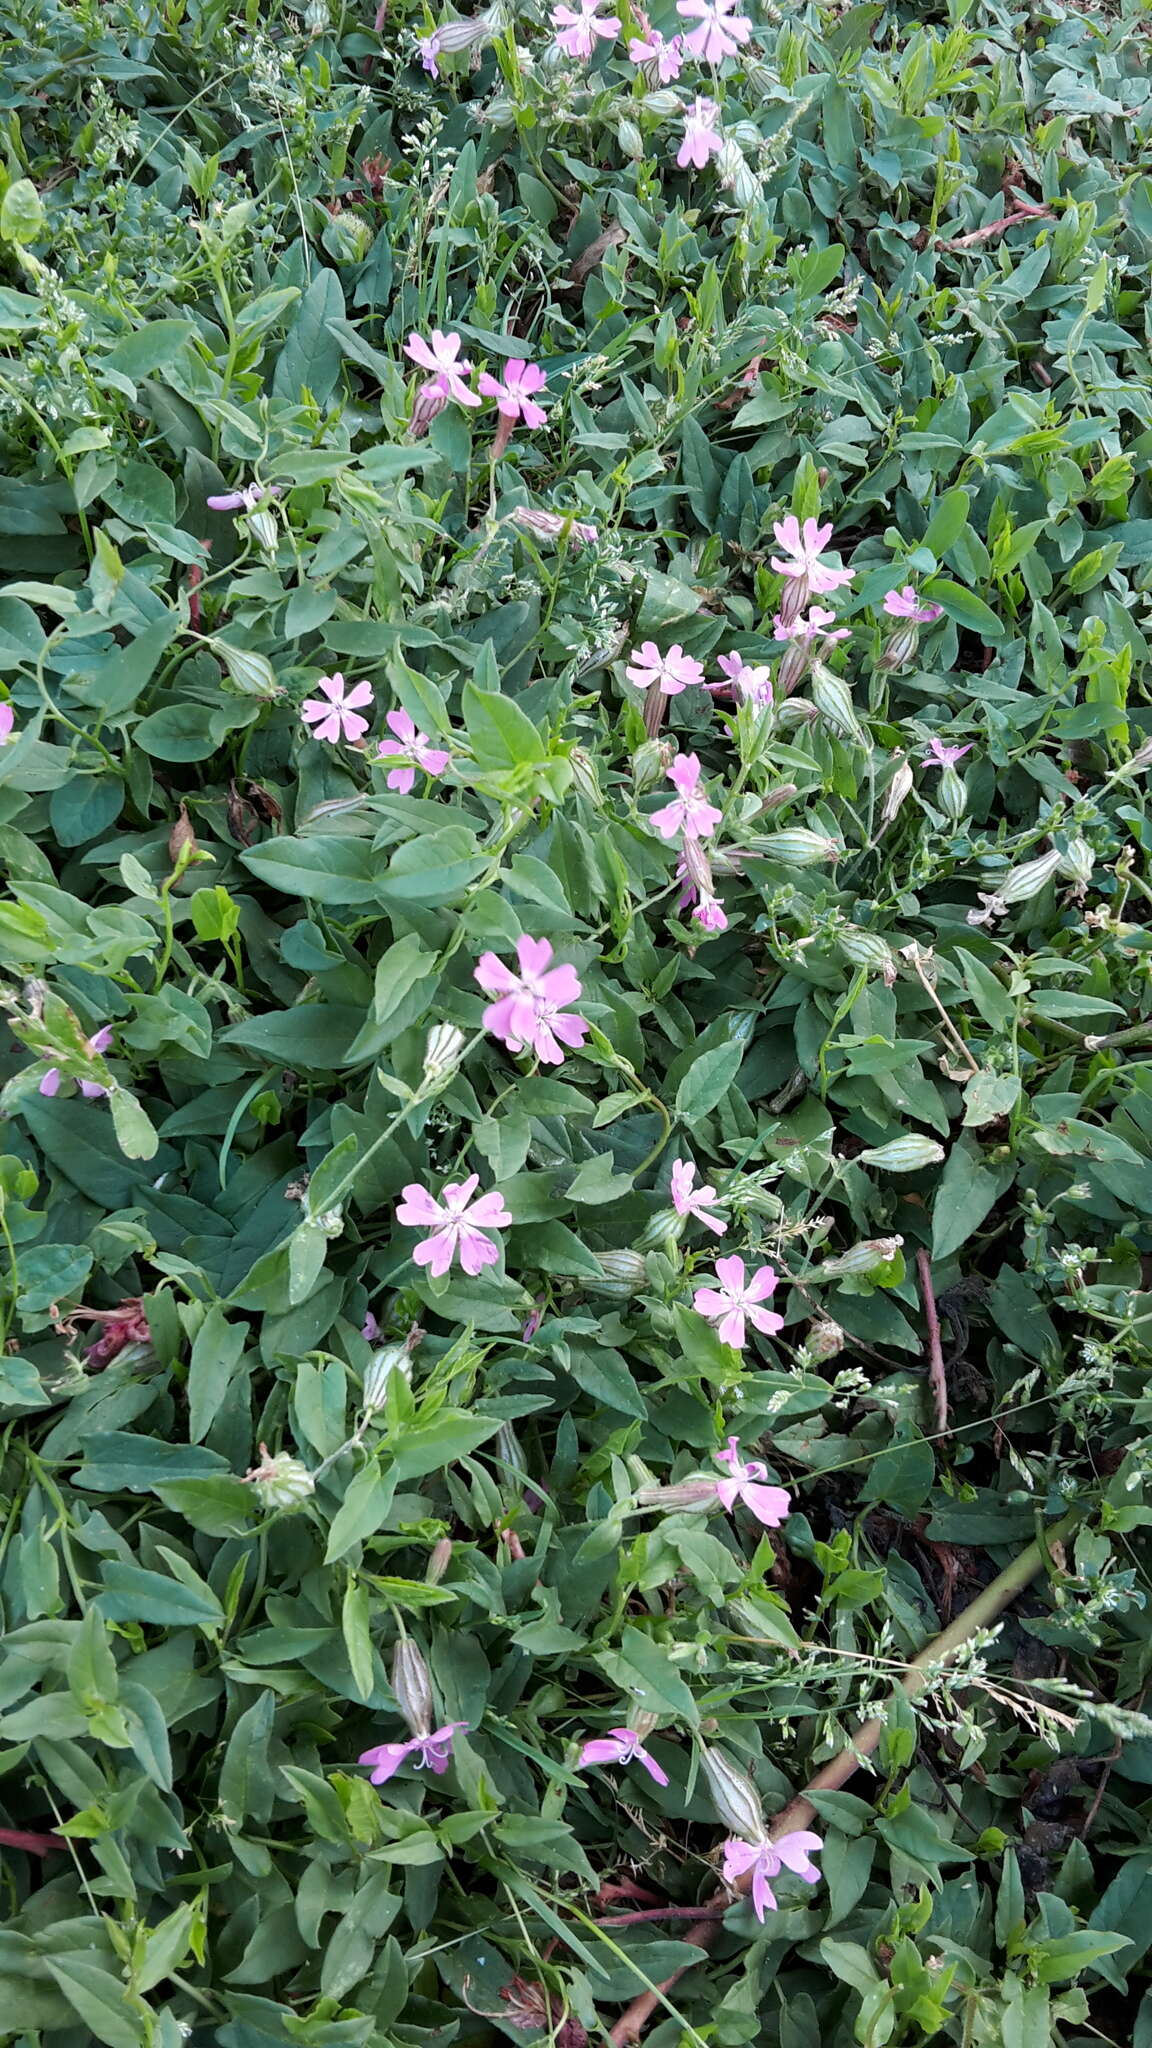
{"x":800,"y":1811}
{"x":936,"y":1379}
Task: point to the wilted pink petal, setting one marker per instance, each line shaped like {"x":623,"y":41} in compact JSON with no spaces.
{"x":700,"y":138}
{"x":904,"y":604}
{"x":940,"y":756}
{"x":690,"y":1201}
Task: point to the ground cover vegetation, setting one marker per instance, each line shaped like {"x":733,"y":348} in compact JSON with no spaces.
{"x":577,"y":1136}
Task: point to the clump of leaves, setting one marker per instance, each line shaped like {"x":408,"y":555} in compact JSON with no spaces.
{"x":577,"y":1142}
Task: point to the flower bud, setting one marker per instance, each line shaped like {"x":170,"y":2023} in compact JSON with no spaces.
{"x":442,"y":1053}
{"x":630,"y":139}
{"x":439,"y":1561}
{"x":264,"y":528}
{"x":663,"y":104}
{"x":733,"y":1795}
{"x":412,"y":1687}
{"x":625,"y":1274}
{"x":280,"y":1482}
{"x":904,"y":1155}
{"x":685,"y":1494}
{"x":252,"y":673}
{"x":585,"y":779}
{"x":393,"y":1358}
{"x":795,"y":662}
{"x":797,"y":848}
{"x":1019,"y":884}
{"x":824,"y":1340}
{"x":666,"y":1225}
{"x":696,"y":864}
{"x":952,"y":794}
{"x":797,"y":711}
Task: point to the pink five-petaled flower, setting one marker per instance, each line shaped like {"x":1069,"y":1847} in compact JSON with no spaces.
{"x":811,"y":627}
{"x":433,"y":1750}
{"x":751,"y":681}
{"x":620,"y":1746}
{"x":940,"y":756}
{"x":710,"y":915}
{"x":340,"y":717}
{"x":514,"y":392}
{"x":530,"y":1008}
{"x":700,"y":138}
{"x":441,"y":356}
{"x":735,"y":1298}
{"x":577,"y":28}
{"x":721,"y":30}
{"x":803,"y":547}
{"x":770,"y":1504}
{"x":242,"y":501}
{"x":904,"y":604}
{"x":428,"y":49}
{"x":97,"y":1044}
{"x":413,"y":748}
{"x":7,"y":721}
{"x":689,"y":1201}
{"x":767,"y":1859}
{"x":457,"y":1225}
{"x":690,"y":812}
{"x":674,"y":671}
{"x":666,"y":58}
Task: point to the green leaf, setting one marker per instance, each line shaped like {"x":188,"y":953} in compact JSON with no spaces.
{"x":501,"y":735}
{"x":311,"y":355}
{"x":100,"y":2000}
{"x":216,"y":1353}
{"x":964,"y":606}
{"x":968,"y":1190}
{"x":22,"y":217}
{"x":708,"y":1080}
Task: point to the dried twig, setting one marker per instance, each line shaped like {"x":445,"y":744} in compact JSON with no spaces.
{"x":936,"y":1379}
{"x":801,"y":1812}
{"x":998,"y":227}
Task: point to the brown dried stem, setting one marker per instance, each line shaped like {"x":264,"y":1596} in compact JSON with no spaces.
{"x":983,"y":1611}
{"x":936,"y":1379}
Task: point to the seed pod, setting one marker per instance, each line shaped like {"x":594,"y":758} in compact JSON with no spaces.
{"x":442,"y":1053}
{"x":795,"y":662}
{"x":650,"y":765}
{"x":393,"y":1358}
{"x":264,"y":528}
{"x":897,"y":790}
{"x":860,"y":1258}
{"x":833,"y":700}
{"x":899,"y":649}
{"x":864,"y":949}
{"x":825,"y":1339}
{"x":625,"y":1273}
{"x":1019,"y":884}
{"x":1078,"y":860}
{"x":733,"y":1795}
{"x":585,"y":779}
{"x":281,"y":1482}
{"x":667,"y":1225}
{"x":904,"y":1155}
{"x":793,"y":599}
{"x":252,"y":673}
{"x":412,"y":1686}
{"x":797,"y":848}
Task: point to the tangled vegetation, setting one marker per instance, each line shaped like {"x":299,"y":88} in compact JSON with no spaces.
{"x":575,"y":609}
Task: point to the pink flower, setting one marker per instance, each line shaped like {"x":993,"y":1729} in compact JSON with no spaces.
{"x":370,"y":1329}
{"x":803,"y":547}
{"x":690,"y":812}
{"x":530,"y":1011}
{"x":429,"y":50}
{"x":455,"y":1222}
{"x":700,"y":138}
{"x":750,"y":681}
{"x":734,"y":1299}
{"x":242,"y":501}
{"x":340,"y":717}
{"x":666,"y":58}
{"x":620,"y":1746}
{"x":710,"y":915}
{"x":770,"y":1504}
{"x":434,"y":1750}
{"x":92,"y":1090}
{"x":688,"y":1201}
{"x":441,"y":356}
{"x":721,"y":30}
{"x":7,"y":721}
{"x":939,"y":756}
{"x":811,"y":627}
{"x":411,"y":746}
{"x":514,"y":394}
{"x":767,"y":1859}
{"x":674,"y":671}
{"x":904,"y":604}
{"x":577,"y":29}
